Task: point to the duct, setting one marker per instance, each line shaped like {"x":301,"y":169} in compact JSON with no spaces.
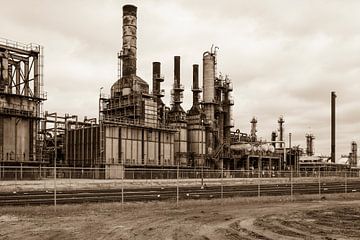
{"x":333,"y":98}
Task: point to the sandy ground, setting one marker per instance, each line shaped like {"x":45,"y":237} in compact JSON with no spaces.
{"x":243,"y":218}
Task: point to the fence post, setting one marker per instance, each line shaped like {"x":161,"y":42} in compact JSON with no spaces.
{"x":122,"y":188}
{"x":259,"y":193}
{"x":319,"y":184}
{"x":177,"y":184}
{"x":291,"y":185}
{"x":222,"y":178}
{"x":345,"y":182}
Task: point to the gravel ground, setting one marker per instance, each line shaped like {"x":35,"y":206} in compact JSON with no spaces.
{"x":334,"y":217}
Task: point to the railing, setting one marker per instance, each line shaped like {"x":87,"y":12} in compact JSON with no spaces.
{"x":23,"y":46}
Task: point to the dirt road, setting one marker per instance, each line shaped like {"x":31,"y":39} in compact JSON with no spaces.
{"x":271,"y":218}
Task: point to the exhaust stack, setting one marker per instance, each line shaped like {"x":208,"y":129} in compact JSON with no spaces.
{"x":129,"y":40}
{"x":333,"y":98}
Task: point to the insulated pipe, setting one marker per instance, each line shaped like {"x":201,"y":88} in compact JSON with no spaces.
{"x":129,"y":40}
{"x":333,"y":98}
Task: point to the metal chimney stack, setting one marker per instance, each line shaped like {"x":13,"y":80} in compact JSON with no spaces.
{"x":196,"y":88}
{"x":156,"y":75}
{"x":253,"y":129}
{"x":281,"y":130}
{"x":129,"y":41}
{"x":333,"y":98}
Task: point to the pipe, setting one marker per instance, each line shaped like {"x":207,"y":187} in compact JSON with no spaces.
{"x":129,"y":40}
{"x":333,"y":124}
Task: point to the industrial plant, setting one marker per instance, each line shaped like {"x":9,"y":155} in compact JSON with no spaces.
{"x":135,"y":128}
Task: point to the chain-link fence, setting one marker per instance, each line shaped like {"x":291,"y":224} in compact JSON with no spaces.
{"x":38,"y":173}
{"x":28,"y":185}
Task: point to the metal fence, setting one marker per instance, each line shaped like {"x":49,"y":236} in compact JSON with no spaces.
{"x":164,"y":184}
{"x":38,"y":173}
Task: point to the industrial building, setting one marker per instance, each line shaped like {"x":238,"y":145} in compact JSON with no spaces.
{"x":21,"y":101}
{"x":135,"y":127}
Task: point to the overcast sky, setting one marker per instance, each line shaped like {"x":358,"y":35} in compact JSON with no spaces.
{"x":284,"y":57}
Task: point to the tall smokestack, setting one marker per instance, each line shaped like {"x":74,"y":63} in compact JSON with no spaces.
{"x":156,"y":75}
{"x":195,"y":85}
{"x":333,"y":98}
{"x":253,"y":129}
{"x":129,"y":40}
{"x":177,"y":71}
{"x":281,"y":129}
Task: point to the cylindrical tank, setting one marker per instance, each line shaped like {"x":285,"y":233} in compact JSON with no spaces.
{"x":181,"y":143}
{"x":129,"y":40}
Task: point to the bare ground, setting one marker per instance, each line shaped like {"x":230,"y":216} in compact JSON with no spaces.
{"x":243,"y":218}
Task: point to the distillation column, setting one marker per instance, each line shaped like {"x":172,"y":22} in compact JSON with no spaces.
{"x":209,"y":59}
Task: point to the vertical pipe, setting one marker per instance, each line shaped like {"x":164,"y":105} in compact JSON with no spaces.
{"x":55,"y":159}
{"x":36,"y":77}
{"x":333,"y":98}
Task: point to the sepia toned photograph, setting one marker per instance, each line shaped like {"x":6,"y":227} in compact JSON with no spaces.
{"x":179,"y":119}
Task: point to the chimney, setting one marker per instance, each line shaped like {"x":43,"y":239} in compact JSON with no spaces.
{"x":281,"y":129}
{"x":129,"y":41}
{"x":253,"y":129}
{"x":177,"y":71}
{"x":156,"y":76}
{"x":333,"y":98}
{"x":196,"y":85}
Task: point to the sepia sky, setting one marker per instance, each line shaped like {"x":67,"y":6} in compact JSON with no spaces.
{"x":284,"y":57}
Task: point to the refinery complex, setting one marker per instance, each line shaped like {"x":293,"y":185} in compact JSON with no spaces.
{"x":135,"y":128}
